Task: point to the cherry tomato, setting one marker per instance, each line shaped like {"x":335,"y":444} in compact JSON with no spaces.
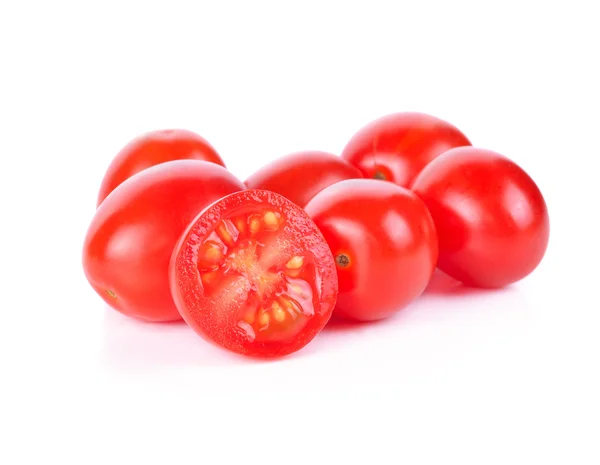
{"x":384,"y":243}
{"x":253,"y":274}
{"x":153,"y":148}
{"x":398,"y":146}
{"x":300,"y":176}
{"x":490,"y":216}
{"x":130,"y":240}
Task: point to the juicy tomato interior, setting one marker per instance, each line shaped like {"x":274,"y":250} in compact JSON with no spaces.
{"x":259,"y":281}
{"x":279,"y":289}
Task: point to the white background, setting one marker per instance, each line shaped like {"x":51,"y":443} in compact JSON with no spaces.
{"x":460,"y":376}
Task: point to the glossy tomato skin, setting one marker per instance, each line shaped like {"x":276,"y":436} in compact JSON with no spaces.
{"x":210,"y":316}
{"x":384,"y":242}
{"x":396,"y":147}
{"x":301,"y":175}
{"x":491,"y":217}
{"x":129,"y":242}
{"x":152,"y":148}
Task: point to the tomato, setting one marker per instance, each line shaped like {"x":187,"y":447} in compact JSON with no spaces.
{"x":300,"y":176}
{"x":130,"y":240}
{"x":153,"y":148}
{"x":384,"y":243}
{"x":491,"y":218}
{"x":396,"y":147}
{"x":254,"y":275}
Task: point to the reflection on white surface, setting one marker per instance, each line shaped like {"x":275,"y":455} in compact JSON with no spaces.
{"x":135,"y":345}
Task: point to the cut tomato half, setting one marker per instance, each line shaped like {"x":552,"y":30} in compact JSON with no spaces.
{"x":254,"y":274}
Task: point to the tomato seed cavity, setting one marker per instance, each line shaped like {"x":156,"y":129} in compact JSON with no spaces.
{"x":279,"y":293}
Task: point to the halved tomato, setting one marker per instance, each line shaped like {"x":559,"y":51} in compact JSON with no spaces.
{"x":254,"y":274}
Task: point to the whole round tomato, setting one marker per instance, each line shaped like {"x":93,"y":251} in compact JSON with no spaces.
{"x":253,"y":274}
{"x":398,"y":146}
{"x":384,"y":243}
{"x":491,"y":218}
{"x":153,"y":148}
{"x":129,"y":243}
{"x":300,"y":176}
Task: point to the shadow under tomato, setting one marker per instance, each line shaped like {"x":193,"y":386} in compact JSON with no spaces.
{"x":442,"y":284}
{"x":135,"y":345}
{"x":342,"y":325}
{"x":131,"y":344}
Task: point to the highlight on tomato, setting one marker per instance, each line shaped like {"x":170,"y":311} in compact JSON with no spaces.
{"x":491,"y":218}
{"x":299,"y":176}
{"x":396,"y":147}
{"x":130,"y":240}
{"x":153,"y":148}
{"x":253,"y":274}
{"x":384,"y":243}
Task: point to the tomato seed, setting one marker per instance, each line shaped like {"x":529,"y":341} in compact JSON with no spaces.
{"x":240,"y":224}
{"x":271,"y":222}
{"x":278,"y":313}
{"x":254,"y":224}
{"x":295,"y":263}
{"x":264,"y":320}
{"x":227,"y":232}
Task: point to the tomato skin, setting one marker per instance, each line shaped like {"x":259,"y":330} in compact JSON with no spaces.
{"x":206,"y":318}
{"x":396,"y":147}
{"x":129,"y":242}
{"x":389,"y":236}
{"x":300,"y":176}
{"x":491,"y":217}
{"x":152,"y":148}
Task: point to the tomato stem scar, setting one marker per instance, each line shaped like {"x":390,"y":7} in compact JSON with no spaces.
{"x":342,"y":260}
{"x":379,"y":175}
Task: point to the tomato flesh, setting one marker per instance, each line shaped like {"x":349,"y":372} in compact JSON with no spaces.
{"x":255,"y":275}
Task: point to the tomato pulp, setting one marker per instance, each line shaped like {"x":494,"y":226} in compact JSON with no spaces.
{"x":253,"y":274}
{"x":300,"y":176}
{"x":131,"y":237}
{"x":491,"y":217}
{"x":396,"y":147}
{"x":384,"y":243}
{"x":153,"y":148}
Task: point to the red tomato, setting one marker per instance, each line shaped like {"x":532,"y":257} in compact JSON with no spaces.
{"x":384,"y":243}
{"x":300,"y":176}
{"x":491,"y":218}
{"x":153,"y":148}
{"x":398,"y":146}
{"x":130,"y":240}
{"x":253,"y":274}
